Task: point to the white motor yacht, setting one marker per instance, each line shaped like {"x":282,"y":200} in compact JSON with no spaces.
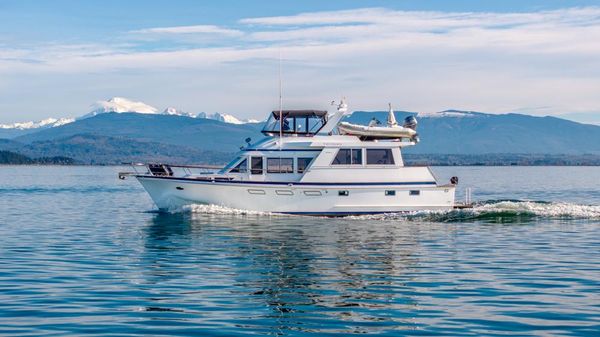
{"x":307,"y":165}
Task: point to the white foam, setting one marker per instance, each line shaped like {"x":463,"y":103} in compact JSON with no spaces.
{"x":217,"y":209}
{"x":550,"y":210}
{"x":500,"y":209}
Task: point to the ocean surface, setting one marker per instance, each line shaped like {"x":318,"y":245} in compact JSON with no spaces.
{"x":83,"y":253}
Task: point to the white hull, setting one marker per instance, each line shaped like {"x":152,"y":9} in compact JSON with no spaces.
{"x":303,"y":167}
{"x":317,"y":199}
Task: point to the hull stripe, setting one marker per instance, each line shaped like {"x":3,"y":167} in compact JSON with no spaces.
{"x":283,"y":150}
{"x":287,"y":183}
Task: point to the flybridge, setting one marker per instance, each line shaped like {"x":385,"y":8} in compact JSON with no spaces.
{"x":304,"y":122}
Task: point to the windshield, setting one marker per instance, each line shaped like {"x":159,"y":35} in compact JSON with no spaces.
{"x":230,"y":165}
{"x":294,"y":123}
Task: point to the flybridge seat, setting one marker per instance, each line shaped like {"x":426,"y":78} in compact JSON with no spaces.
{"x":160,"y":170}
{"x":299,"y":122}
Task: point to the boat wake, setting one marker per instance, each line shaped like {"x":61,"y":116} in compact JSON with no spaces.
{"x":500,"y":211}
{"x":495,"y":211}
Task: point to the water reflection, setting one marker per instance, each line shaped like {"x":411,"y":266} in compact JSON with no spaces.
{"x":296,"y":271}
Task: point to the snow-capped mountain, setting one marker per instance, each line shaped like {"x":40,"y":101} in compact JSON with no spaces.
{"x":120,"y":105}
{"x":221,"y":117}
{"x":45,"y":123}
{"x":448,"y":113}
{"x":171,"y":111}
{"x":251,"y":121}
{"x":227,"y":118}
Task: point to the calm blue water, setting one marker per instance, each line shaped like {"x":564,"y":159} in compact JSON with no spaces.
{"x":82,"y":253}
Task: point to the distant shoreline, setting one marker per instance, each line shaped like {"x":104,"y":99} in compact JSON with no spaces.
{"x":410,"y":159}
{"x":407,"y":165}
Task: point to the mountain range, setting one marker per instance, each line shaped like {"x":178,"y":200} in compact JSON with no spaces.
{"x":113,"y":105}
{"x":121,"y":130}
{"x":468,"y":132}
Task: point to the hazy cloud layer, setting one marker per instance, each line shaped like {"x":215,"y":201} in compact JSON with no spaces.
{"x":539,"y":63}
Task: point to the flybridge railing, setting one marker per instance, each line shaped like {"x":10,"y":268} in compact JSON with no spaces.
{"x":157,"y":169}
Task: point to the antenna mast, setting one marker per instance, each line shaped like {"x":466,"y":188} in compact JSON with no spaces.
{"x":280,"y":104}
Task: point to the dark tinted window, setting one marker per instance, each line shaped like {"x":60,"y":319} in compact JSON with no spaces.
{"x":380,"y":157}
{"x":303,"y":164}
{"x":342,"y":157}
{"x":357,"y":157}
{"x":348,"y":157}
{"x":256,"y":165}
{"x":242,"y":167}
{"x":280,"y":165}
{"x":287,"y":165}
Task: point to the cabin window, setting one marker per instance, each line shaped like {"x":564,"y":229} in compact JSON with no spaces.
{"x":280,"y":165}
{"x":348,"y":157}
{"x":344,"y":193}
{"x":390,"y":193}
{"x":256,"y":165}
{"x":414,"y":192}
{"x":303,"y":164}
{"x":380,"y":157}
{"x":242,"y":167}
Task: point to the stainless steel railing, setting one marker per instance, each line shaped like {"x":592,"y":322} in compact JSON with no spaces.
{"x":169,"y":170}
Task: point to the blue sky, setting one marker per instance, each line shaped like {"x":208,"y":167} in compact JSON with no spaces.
{"x":539,"y":57}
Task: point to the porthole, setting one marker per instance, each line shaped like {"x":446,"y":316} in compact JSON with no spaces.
{"x":312,"y":193}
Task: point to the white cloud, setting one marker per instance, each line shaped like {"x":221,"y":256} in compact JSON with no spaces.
{"x":494,"y":62}
{"x":197,"y":29}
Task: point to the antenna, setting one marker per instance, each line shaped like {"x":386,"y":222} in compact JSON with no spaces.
{"x":391,"y":121}
{"x":280,"y":104}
